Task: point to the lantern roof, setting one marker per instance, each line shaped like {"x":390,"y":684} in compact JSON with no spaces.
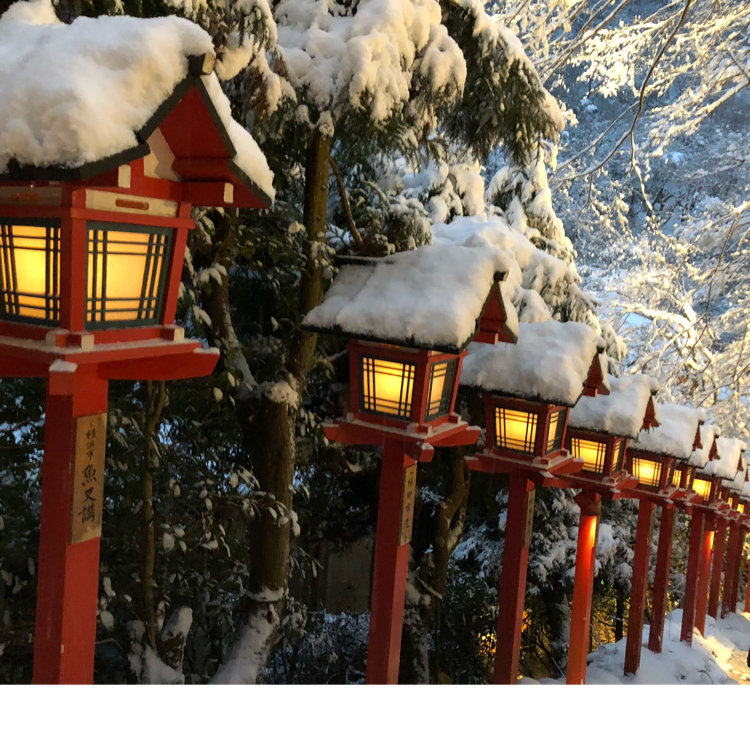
{"x":627,"y":409}
{"x":81,"y":99}
{"x":552,"y":362}
{"x":728,"y":464}
{"x":708,"y":449}
{"x":436,"y":297}
{"x":678,"y":432}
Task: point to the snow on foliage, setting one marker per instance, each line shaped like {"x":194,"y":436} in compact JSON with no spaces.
{"x":675,"y":433}
{"x":550,"y":362}
{"x":621,"y":412}
{"x":79,"y":93}
{"x":370,"y":60}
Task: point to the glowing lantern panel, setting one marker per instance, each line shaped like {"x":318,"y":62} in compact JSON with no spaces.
{"x":387,"y":386}
{"x":515,"y":430}
{"x":592,"y":452}
{"x":442,"y":375}
{"x":555,"y":430}
{"x":677,"y":478}
{"x":647,"y":472}
{"x":126,"y":271}
{"x":29,"y":271}
{"x":617,"y":455}
{"x":702,"y":487}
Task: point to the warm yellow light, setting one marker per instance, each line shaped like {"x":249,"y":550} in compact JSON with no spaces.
{"x":387,"y":386}
{"x":515,"y":430}
{"x":124,"y":275}
{"x":702,"y":487}
{"x":617,"y":455}
{"x":592,"y":452}
{"x":554,"y":434}
{"x":677,"y":477}
{"x":29,"y":270}
{"x":647,"y":472}
{"x":441,"y":385}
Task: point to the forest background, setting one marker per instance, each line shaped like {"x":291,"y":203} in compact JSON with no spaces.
{"x":612,"y":135}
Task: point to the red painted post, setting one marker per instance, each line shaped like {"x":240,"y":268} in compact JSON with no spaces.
{"x":704,"y":574}
{"x":639,"y":586}
{"x":729,"y":596}
{"x":661,"y":579}
{"x":738,"y":561}
{"x":717,"y":563}
{"x":390,"y":570}
{"x":513,"y":579}
{"x":68,"y":576}
{"x":691,"y":577}
{"x":747,"y":592}
{"x":733,"y":566}
{"x":583,"y":587}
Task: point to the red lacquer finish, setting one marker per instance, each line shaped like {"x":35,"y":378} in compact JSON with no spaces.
{"x":639,"y":586}
{"x":583,"y":587}
{"x":513,"y":580}
{"x":704,"y":573}
{"x":691,"y":578}
{"x":717,"y":563}
{"x":389,"y":572}
{"x":661,"y":579}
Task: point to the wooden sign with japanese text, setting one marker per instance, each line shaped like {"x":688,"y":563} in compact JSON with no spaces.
{"x":528,"y":527}
{"x":407,"y":505}
{"x":88,"y":478}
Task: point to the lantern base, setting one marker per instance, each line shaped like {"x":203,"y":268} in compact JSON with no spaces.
{"x":542,"y":471}
{"x":150,"y":359}
{"x":418,"y":445}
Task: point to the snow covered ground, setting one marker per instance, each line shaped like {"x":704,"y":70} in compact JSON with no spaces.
{"x":718,"y":659}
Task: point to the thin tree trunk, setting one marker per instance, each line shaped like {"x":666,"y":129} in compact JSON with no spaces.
{"x":270,"y":439}
{"x":154,"y":405}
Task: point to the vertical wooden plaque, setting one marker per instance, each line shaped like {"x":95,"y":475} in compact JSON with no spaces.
{"x":529,"y":526}
{"x":88,"y":478}
{"x":407,"y":505}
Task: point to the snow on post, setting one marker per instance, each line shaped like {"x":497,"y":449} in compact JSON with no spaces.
{"x":82,"y":98}
{"x":550,"y":362}
{"x":622,"y":413}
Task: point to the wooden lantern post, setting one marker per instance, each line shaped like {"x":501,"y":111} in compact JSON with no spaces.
{"x":672,"y":438}
{"x":599,"y":430}
{"x":730,"y":497}
{"x":525,"y":421}
{"x":654,"y":473}
{"x":405,"y":359}
{"x":706,"y":487}
{"x":90,"y":264}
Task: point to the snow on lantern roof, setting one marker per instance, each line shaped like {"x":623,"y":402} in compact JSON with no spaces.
{"x":551,"y":362}
{"x":738,"y":483}
{"x":624,"y":412}
{"x":83,"y":98}
{"x":729,"y":461}
{"x":708,"y":448}
{"x":432,"y":298}
{"x":677,"y":434}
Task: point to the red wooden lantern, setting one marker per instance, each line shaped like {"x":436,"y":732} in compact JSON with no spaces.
{"x":670,"y":443}
{"x":598,"y":432}
{"x":407,"y":343}
{"x":90,"y":264}
{"x":528,"y":390}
